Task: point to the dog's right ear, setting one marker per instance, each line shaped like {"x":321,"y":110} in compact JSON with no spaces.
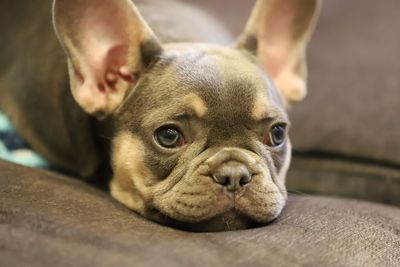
{"x":108,"y":46}
{"x":278,"y":32}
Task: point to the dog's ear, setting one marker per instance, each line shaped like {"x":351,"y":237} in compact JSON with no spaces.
{"x":108,"y":45}
{"x":278,"y":32}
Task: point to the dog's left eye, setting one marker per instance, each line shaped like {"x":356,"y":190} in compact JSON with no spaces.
{"x":169,"y":137}
{"x":276,"y":135}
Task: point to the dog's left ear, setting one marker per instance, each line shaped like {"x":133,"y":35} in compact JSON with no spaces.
{"x":278,"y":32}
{"x":108,"y":45}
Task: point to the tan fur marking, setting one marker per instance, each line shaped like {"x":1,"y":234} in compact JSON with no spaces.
{"x":197,"y":104}
{"x":260,"y":107}
{"x":131,"y":176}
{"x":285,"y":167}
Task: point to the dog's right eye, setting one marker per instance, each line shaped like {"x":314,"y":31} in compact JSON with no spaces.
{"x":169,"y":137}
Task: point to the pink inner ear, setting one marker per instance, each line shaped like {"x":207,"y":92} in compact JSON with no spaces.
{"x":104,"y":44}
{"x":276,"y":36}
{"x":116,"y":66}
{"x":101,"y":62}
{"x":102,"y":39}
{"x":104,"y":63}
{"x":116,"y":58}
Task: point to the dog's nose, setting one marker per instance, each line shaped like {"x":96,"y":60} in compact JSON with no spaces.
{"x":233,"y":175}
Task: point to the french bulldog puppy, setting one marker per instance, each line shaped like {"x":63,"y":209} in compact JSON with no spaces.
{"x":195,"y":132}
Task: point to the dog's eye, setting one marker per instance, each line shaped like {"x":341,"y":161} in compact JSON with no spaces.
{"x":169,"y":137}
{"x":276,"y":135}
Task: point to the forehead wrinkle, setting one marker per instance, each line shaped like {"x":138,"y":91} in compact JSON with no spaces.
{"x":273,"y":115}
{"x":266,"y":111}
{"x":174,"y":112}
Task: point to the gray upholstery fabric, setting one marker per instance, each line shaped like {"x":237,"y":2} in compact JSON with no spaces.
{"x":354,"y":87}
{"x":50,"y":220}
{"x":351,"y":111}
{"x":338,"y":177}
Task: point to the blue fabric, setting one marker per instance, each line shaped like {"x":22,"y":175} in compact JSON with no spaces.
{"x":13,"y":148}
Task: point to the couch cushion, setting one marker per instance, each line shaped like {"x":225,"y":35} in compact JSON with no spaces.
{"x":346,"y":132}
{"x":346,"y":178}
{"x":50,"y":220}
{"x":353,"y":103}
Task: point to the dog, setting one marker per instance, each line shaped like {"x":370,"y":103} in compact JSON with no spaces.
{"x":192,"y":124}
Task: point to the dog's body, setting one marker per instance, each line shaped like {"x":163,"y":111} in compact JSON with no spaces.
{"x":189,"y":124}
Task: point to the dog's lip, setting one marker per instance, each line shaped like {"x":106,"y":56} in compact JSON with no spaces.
{"x":231,"y":209}
{"x":229,"y":220}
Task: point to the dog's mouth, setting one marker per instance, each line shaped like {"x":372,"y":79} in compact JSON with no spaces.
{"x":214,"y":208}
{"x":228,"y":221}
{"x":238,"y":193}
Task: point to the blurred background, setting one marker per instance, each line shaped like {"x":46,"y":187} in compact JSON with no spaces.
{"x":233,"y":13}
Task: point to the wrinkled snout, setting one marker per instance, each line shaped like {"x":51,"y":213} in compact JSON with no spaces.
{"x":233,"y":168}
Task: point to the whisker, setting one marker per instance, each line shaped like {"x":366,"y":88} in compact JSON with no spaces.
{"x":298,"y":193}
{"x":268,"y":192}
{"x":105,"y":137}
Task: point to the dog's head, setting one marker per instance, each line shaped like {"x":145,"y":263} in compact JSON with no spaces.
{"x":201,"y":130}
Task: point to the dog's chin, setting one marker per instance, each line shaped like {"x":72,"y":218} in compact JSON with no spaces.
{"x":227,"y":221}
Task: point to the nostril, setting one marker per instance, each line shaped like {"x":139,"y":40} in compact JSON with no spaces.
{"x":245,"y":179}
{"x":222,"y":179}
{"x":226,"y":180}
